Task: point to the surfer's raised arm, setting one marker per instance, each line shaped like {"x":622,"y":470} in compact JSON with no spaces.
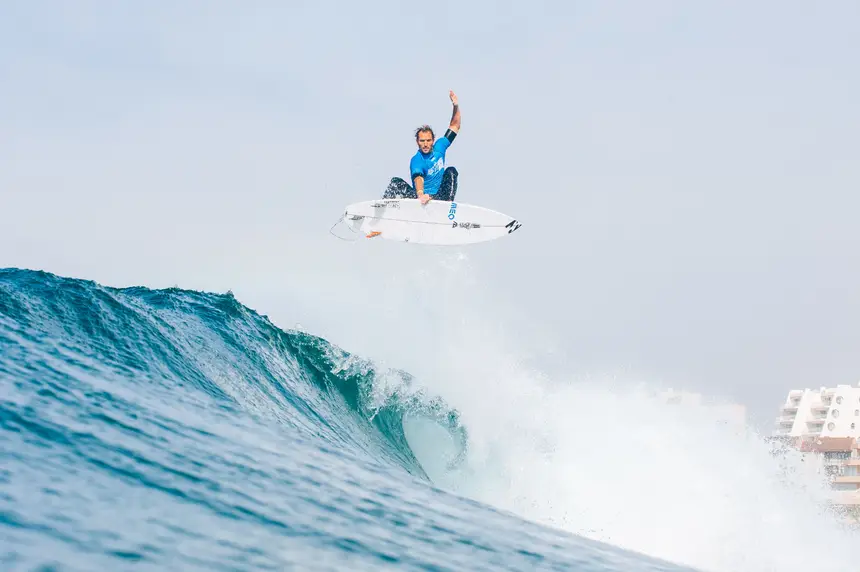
{"x":455,"y":118}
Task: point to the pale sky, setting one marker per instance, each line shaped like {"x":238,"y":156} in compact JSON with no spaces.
{"x":686,"y":172}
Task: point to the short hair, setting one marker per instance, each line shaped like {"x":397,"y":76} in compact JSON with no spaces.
{"x":422,"y":129}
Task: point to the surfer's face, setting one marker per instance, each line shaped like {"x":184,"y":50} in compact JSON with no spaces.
{"x":425,"y":141}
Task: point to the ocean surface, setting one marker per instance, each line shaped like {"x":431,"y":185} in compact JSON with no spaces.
{"x":179,"y":430}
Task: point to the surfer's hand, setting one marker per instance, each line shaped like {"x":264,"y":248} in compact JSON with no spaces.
{"x":424,"y":198}
{"x":453,"y":97}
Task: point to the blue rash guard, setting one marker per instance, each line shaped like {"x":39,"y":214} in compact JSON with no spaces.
{"x":430,"y":166}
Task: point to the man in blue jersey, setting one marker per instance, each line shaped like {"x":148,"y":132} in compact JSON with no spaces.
{"x":431,"y":178}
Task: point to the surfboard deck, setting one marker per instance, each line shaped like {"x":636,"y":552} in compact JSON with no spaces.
{"x":438,"y":222}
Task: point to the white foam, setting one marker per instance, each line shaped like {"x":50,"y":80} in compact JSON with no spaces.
{"x":607,"y":458}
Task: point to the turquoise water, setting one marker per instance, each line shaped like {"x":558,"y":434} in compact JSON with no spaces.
{"x":171,"y":429}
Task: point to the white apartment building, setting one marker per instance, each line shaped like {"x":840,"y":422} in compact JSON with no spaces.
{"x":825,"y":424}
{"x":824,"y":412}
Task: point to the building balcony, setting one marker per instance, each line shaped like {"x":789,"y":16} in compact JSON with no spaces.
{"x":846,"y":498}
{"x":847,"y":479}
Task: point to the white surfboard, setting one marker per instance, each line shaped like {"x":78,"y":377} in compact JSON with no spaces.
{"x":437,"y":222}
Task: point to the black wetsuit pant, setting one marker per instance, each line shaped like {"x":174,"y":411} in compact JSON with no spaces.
{"x":400,"y":189}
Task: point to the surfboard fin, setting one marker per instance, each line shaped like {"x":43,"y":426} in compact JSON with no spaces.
{"x":373,"y":233}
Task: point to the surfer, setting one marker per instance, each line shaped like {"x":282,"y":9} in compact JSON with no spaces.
{"x":430,"y":177}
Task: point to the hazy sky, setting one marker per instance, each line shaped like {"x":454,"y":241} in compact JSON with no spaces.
{"x":687,"y":173}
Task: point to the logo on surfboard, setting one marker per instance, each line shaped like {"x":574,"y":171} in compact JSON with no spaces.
{"x":386,"y":204}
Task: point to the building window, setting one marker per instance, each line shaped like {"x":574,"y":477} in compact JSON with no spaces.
{"x":838,"y":400}
{"x":835,"y":413}
{"x":831,"y":426}
{"x":856,"y":412}
{"x":852,"y":425}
